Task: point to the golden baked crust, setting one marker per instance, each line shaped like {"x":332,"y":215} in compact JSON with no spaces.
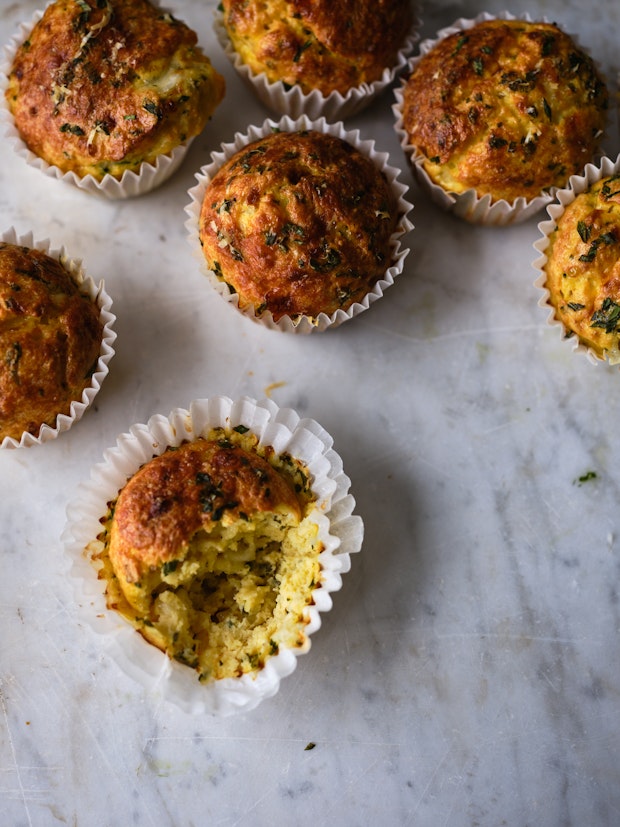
{"x":201,"y":483}
{"x":583,"y":268}
{"x":50,"y":340}
{"x":210,"y":552}
{"x":508,"y":108}
{"x":101,"y":86}
{"x":298,"y":223}
{"x":318,"y":44}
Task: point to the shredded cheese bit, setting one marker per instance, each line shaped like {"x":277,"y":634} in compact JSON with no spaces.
{"x":97,"y":27}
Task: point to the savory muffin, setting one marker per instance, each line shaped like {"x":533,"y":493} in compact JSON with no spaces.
{"x":211,"y":553}
{"x":318,"y":45}
{"x":50,"y":338}
{"x":506,"y":108}
{"x":582,"y":271}
{"x":101,"y":86}
{"x":298,"y":224}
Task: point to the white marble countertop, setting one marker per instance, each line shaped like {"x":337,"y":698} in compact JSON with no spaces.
{"x":468,"y":673}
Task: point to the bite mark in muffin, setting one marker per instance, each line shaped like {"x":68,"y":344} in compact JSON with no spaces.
{"x":210,"y":551}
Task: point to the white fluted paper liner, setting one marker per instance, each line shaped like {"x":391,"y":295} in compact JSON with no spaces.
{"x":292,"y":101}
{"x":340,"y":531}
{"x":303,"y":324}
{"x":103,"y":301}
{"x":576,"y":185}
{"x":130,"y":185}
{"x":466,"y":205}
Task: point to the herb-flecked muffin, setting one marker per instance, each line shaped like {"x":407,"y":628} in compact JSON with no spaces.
{"x":102,"y":86}
{"x":318,"y":44}
{"x":50,"y":340}
{"x":582,"y":271}
{"x":211,"y":553}
{"x":298,"y":223}
{"x":507,"y":108}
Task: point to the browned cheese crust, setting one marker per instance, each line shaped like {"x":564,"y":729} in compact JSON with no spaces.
{"x":102,"y":86}
{"x":195,"y":486}
{"x":318,"y":44}
{"x":298,"y":224}
{"x":583,"y":268}
{"x":507,"y":108}
{"x":50,"y":339}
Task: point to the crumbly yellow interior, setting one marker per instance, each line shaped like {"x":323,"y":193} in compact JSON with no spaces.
{"x":236,"y":594}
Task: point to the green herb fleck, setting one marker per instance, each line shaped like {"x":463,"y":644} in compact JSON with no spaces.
{"x":310,"y":745}
{"x":547,"y":45}
{"x":241,"y":429}
{"x":607,"y":317}
{"x":584,"y":231}
{"x":152,"y":107}
{"x":575,"y":306}
{"x":605,"y":238}
{"x":73,"y":128}
{"x":169,"y":567}
{"x":495,"y":142}
{"x":460,"y":43}
{"x":478,"y":65}
{"x":301,"y":48}
{"x":589,"y":475}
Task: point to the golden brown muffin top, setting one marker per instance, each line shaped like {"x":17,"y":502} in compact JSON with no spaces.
{"x":583,"y":268}
{"x":50,"y":340}
{"x":185,"y":489}
{"x":298,"y":223}
{"x":507,"y":107}
{"x":318,"y":44}
{"x":102,"y":85}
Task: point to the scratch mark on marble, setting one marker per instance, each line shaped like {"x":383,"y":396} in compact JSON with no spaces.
{"x":346,"y":642}
{"x":552,"y":509}
{"x":523,"y":638}
{"x":457,"y":334}
{"x":549,"y":681}
{"x":353,"y":785}
{"x":434,"y":774}
{"x":243,"y":817}
{"x":21,"y":789}
{"x":61,"y":689}
{"x":508,"y":424}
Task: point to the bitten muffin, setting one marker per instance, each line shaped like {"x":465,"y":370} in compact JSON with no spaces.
{"x":210,"y":552}
{"x":50,"y":340}
{"x":507,"y":108}
{"x":101,"y":86}
{"x":583,"y":268}
{"x":318,"y":44}
{"x":297,"y":224}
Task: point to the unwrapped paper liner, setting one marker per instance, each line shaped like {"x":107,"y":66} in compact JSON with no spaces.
{"x":340,"y":531}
